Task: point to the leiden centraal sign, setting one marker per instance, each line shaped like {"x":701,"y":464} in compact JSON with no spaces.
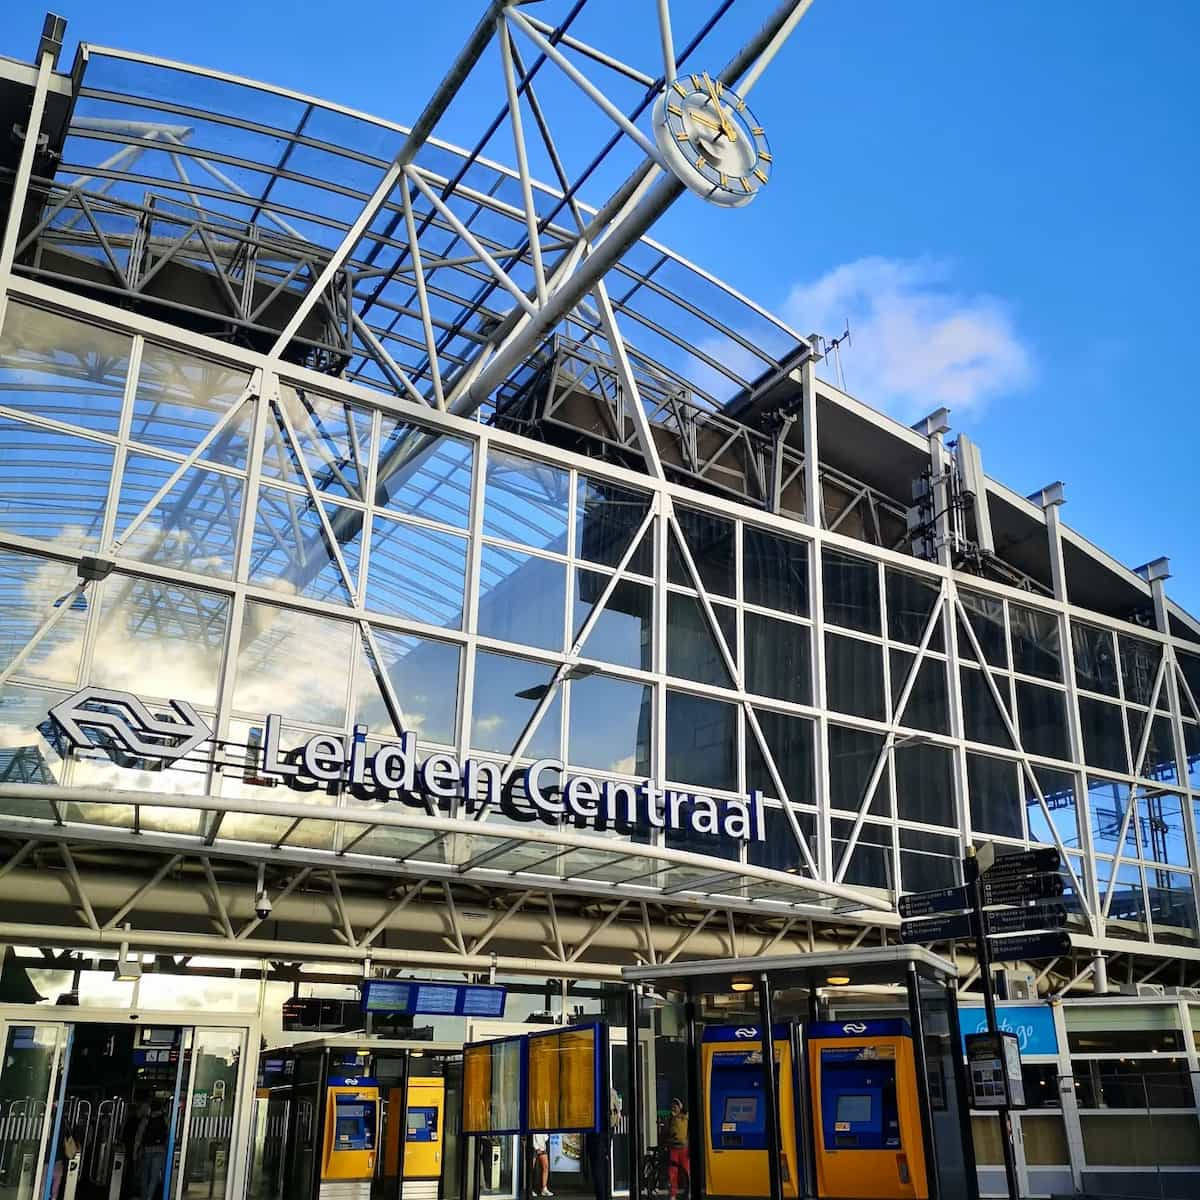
{"x":121,"y":725}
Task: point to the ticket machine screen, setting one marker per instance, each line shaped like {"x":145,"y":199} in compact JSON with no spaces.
{"x":858,"y":1098}
{"x":422,"y":1125}
{"x":852,"y":1109}
{"x":354,"y":1128}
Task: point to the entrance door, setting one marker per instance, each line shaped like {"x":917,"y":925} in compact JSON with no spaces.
{"x":28,"y":1075}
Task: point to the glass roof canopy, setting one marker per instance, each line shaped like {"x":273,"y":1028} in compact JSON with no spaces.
{"x":386,"y":839}
{"x":156,"y":148}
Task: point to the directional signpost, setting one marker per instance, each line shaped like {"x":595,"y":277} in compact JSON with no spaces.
{"x":1033,"y":926}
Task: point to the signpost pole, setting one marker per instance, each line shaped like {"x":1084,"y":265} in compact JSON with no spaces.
{"x":774,"y":1140}
{"x":974,"y":881}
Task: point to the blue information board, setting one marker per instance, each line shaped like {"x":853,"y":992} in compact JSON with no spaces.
{"x":416,"y":997}
{"x":1033,"y":1025}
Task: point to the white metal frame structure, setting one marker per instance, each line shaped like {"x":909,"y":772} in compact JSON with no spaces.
{"x":311,"y":484}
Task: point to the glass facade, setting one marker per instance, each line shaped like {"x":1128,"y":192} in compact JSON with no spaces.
{"x":310,"y":554}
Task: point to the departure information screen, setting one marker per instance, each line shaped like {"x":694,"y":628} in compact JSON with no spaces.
{"x":426,"y":998}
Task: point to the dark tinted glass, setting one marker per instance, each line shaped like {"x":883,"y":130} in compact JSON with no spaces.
{"x":1103,"y":735}
{"x":1042,"y":720}
{"x":851,"y":592}
{"x":790,"y":740}
{"x":777,"y":659}
{"x":924,"y":786}
{"x":871,"y":860}
{"x":701,"y":741}
{"x":986,"y":616}
{"x":781,"y":851}
{"x":982,"y":721}
{"x":852,"y":757}
{"x":927,"y":706}
{"x":1095,"y":659}
{"x":995,"y":792}
{"x":1058,"y":787}
{"x":622,"y":632}
{"x":775,"y":571}
{"x":606,"y":518}
{"x":927,"y":861}
{"x":1139,"y":668}
{"x":910,"y":600}
{"x":1036,"y":647}
{"x":710,"y":541}
{"x":854,"y":676}
{"x":692,"y":649}
{"x":1158,"y":762}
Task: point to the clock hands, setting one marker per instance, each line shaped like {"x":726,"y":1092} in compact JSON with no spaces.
{"x":726,"y":128}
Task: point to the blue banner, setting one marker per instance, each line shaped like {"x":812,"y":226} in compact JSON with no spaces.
{"x":1033,"y":1025}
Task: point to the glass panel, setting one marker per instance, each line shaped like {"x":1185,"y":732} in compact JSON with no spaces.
{"x":52,"y":486}
{"x":507,"y":690}
{"x":623,"y":633}
{"x":790,"y":741}
{"x":910,"y":600}
{"x":927,"y":861}
{"x":526,"y":501}
{"x":194,"y":527}
{"x":1095,"y":659}
{"x":996,"y":796}
{"x":1058,"y":788}
{"x":610,"y":726}
{"x":1107,"y":802}
{"x":417,"y":573}
{"x":1157,"y":762}
{"x":522,"y":598}
{"x":334,"y":438}
{"x":986,"y":616}
{"x":1172,"y":905}
{"x":59,"y":367}
{"x":291,"y":553}
{"x":424,"y":676}
{"x":425,"y":474}
{"x":871,"y":863}
{"x":1160,"y":829}
{"x":1128,"y":904}
{"x":180,"y":398}
{"x":854,"y":677}
{"x":928,"y":705}
{"x":160,"y":639}
{"x":982,"y":721}
{"x":31,"y":589}
{"x":777,"y":659}
{"x":775,"y":571}
{"x":217,"y":1056}
{"x":710,"y":541}
{"x":853,"y":754}
{"x":1103,"y":735}
{"x":296,"y":655}
{"x":606,"y":518}
{"x":781,"y":851}
{"x":851,"y":591}
{"x":28,"y":1109}
{"x":1042,"y":720}
{"x":1139,"y":668}
{"x":701,"y":741}
{"x":31,"y":748}
{"x":1035,"y":644}
{"x":692,"y":650}
{"x":924,"y":786}
{"x":1191,"y":742}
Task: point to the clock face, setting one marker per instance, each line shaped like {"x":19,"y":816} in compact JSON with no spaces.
{"x":712,"y":140}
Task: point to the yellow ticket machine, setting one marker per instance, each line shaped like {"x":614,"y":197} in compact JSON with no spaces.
{"x":351,"y":1133}
{"x":867,"y":1138}
{"x":424,"y":1137}
{"x":736,"y":1137}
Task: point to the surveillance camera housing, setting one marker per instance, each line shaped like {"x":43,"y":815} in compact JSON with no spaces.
{"x":262,"y":906}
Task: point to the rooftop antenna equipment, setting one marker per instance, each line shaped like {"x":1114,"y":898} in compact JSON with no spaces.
{"x":835,"y":344}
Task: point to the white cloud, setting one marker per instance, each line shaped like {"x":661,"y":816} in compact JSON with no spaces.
{"x":916,"y":343}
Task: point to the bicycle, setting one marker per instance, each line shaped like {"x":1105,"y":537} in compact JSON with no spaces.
{"x":656,"y":1174}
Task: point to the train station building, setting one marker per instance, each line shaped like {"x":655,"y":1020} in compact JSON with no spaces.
{"x":411,"y":573}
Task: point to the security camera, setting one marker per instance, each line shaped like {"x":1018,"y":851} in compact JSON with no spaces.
{"x":262,"y":906}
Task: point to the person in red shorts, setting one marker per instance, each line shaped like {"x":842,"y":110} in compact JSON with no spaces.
{"x":678,"y":1161}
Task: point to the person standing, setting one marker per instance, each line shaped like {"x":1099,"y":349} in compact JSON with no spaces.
{"x":541,"y":1164}
{"x":150,"y":1149}
{"x":678,"y":1157}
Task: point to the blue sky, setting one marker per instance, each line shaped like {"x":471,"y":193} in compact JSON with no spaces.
{"x":1000,"y":197}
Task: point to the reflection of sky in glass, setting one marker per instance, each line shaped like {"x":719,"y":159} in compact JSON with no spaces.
{"x":291,"y":552}
{"x":417,"y":573}
{"x":610,"y":725}
{"x":424,"y":474}
{"x":29,"y":587}
{"x":424,"y":676}
{"x":507,"y":691}
{"x":622,"y":633}
{"x":522,"y":598}
{"x":526,"y":502}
